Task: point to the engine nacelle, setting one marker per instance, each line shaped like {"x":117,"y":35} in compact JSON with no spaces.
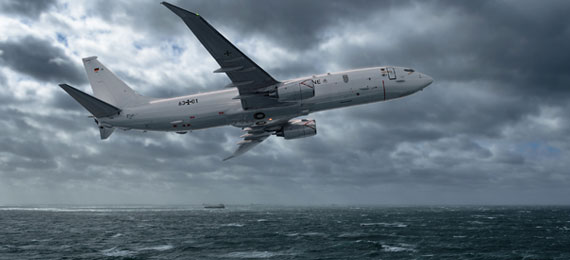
{"x":298,"y":128}
{"x":296,"y":91}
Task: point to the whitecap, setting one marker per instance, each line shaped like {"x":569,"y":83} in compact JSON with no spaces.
{"x":157,"y":248}
{"x":387,"y":248}
{"x":372,"y":224}
{"x":262,"y":220}
{"x":367,"y":241}
{"x":351,"y":234}
{"x":254,"y":254}
{"x":233,"y":225}
{"x":116,"y":252}
{"x":117,"y":235}
{"x":396,"y":224}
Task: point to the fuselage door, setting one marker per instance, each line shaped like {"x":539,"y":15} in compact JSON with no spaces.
{"x":391,"y":72}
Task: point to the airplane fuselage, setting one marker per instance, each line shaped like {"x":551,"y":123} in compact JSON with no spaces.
{"x":219,"y":108}
{"x":254,"y":101}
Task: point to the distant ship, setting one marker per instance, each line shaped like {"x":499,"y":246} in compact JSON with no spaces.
{"x":214,"y":206}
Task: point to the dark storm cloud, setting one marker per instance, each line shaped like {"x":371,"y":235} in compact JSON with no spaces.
{"x":40,"y":59}
{"x":520,"y":43}
{"x":492,"y":123}
{"x":298,"y":25}
{"x":492,"y":38}
{"x":63,"y":101}
{"x":19,"y":144}
{"x":2,"y":79}
{"x":29,"y":8}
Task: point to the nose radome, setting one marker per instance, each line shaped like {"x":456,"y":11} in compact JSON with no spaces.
{"x":428,"y":80}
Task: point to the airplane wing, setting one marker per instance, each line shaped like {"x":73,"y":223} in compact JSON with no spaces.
{"x":250,"y":79}
{"x":256,"y":134}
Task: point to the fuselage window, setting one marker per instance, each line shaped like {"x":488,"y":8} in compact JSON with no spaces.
{"x":345,"y":78}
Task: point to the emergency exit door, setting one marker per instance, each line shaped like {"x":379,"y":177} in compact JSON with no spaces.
{"x":391,"y":72}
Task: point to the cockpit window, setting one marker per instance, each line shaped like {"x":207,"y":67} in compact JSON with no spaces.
{"x":409,"y":70}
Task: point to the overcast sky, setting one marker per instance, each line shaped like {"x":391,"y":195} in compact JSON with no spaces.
{"x":493,"y":128}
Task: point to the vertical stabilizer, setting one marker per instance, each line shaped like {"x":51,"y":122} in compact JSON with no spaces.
{"x":108,"y":87}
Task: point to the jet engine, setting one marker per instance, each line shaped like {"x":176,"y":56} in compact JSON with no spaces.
{"x":296,"y":91}
{"x":298,"y":128}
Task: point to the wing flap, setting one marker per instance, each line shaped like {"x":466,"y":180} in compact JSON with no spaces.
{"x":246,"y":145}
{"x":256,"y":134}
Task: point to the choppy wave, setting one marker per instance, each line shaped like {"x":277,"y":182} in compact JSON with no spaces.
{"x":388,"y":248}
{"x":351,"y":234}
{"x":284,"y":233}
{"x":157,"y":248}
{"x":117,"y":252}
{"x":397,"y":224}
{"x":233,"y":225}
{"x":96,"y":209}
{"x":255,"y":254}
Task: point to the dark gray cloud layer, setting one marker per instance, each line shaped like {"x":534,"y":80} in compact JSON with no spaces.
{"x":40,"y":59}
{"x":28,"y":8}
{"x":491,"y":129}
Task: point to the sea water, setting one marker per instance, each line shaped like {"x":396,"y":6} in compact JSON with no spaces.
{"x":272,"y":232}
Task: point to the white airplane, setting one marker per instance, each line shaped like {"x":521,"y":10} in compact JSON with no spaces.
{"x":253,"y":101}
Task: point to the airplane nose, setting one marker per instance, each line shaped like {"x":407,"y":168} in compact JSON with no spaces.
{"x":428,"y":80}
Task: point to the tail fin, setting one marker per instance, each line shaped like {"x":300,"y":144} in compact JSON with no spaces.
{"x":108,"y":87}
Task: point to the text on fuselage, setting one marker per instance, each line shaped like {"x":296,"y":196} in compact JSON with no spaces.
{"x":188,"y":102}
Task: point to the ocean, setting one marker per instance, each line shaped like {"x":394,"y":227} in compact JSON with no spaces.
{"x":274,"y":232}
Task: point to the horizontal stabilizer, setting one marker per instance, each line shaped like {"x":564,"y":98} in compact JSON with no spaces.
{"x":94,"y":105}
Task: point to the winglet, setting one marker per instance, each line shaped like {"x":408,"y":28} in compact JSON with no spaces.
{"x":177,"y":10}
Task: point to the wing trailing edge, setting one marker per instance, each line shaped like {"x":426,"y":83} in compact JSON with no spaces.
{"x":246,"y":145}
